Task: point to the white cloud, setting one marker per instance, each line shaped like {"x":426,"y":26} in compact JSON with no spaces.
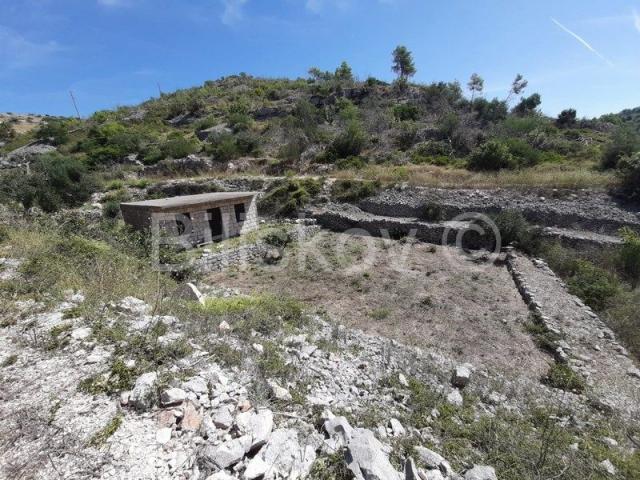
{"x":17,"y":51}
{"x":582,"y":41}
{"x":233,"y":11}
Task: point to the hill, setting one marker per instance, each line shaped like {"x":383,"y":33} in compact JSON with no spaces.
{"x":330,"y":122}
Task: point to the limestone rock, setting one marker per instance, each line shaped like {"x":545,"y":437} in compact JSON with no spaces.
{"x":480,"y":472}
{"x":278,"y":392}
{"x":256,"y":424}
{"x":226,"y":454}
{"x":172,"y":396}
{"x":461,"y":375}
{"x":143,"y":393}
{"x":455,"y":398}
{"x":366,"y":458}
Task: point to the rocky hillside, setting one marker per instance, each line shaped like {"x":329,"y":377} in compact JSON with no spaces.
{"x":331,"y":122}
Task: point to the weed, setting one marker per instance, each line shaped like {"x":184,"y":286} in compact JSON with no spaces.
{"x":563,"y":377}
{"x":330,"y":467}
{"x":380,"y":313}
{"x":10,"y":360}
{"x":100,"y":437}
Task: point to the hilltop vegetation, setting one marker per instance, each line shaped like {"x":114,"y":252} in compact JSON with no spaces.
{"x":332,"y":122}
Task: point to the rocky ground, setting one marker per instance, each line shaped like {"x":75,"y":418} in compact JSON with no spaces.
{"x":318,"y":401}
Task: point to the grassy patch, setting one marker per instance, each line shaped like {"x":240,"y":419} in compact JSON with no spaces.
{"x":330,"y":467}
{"x":100,"y":437}
{"x":380,"y":313}
{"x":10,"y":360}
{"x":563,"y":377}
{"x":287,"y":196}
{"x":265,"y":314}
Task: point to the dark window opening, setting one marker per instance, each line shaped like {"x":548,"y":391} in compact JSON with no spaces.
{"x":240,"y":212}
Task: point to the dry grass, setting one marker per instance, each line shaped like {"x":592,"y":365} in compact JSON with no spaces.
{"x":542,"y":176}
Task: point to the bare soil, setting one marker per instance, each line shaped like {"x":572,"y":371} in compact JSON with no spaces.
{"x":414,"y":293}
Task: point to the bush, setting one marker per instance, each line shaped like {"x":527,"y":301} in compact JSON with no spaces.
{"x":490,"y":111}
{"x":528,"y":105}
{"x":54,"y":182}
{"x":563,"y":377}
{"x":629,"y":173}
{"x":54,"y":131}
{"x":111,"y":209}
{"x":624,"y":143}
{"x":566,"y":119}
{"x":6,"y":132}
{"x":514,"y":228}
{"x":405,"y":111}
{"x":287,"y":196}
{"x":493,"y":155}
{"x":629,"y":255}
{"x":354,"y":163}
{"x":594,"y":285}
{"x":178,"y":146}
{"x":223,"y":149}
{"x":523,"y":152}
{"x":353,"y":190}
{"x":348,"y":144}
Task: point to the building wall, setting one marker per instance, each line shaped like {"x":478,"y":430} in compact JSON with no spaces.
{"x":198,"y":228}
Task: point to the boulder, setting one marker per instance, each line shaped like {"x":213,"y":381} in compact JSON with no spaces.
{"x":226,"y":454}
{"x":397,"y":428}
{"x":608,"y":467}
{"x":278,"y":392}
{"x":286,"y":457}
{"x":461,"y":375}
{"x":410,"y":470}
{"x":172,"y":396}
{"x":188,"y":291}
{"x":272,"y":256}
{"x":163,"y":435}
{"x":212,"y":132}
{"x":455,"y":398}
{"x":143,"y":394}
{"x":256,"y":424}
{"x":480,"y":472}
{"x":365,"y":457}
{"x":431,"y":459}
{"x":191,"y":418}
{"x":256,"y":468}
{"x":222,"y":418}
{"x":197,"y":385}
{"x":133,"y":306}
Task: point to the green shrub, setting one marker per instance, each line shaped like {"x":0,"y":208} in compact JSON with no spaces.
{"x":594,"y":285}
{"x":348,"y":144}
{"x":490,"y":111}
{"x":353,"y":190}
{"x":523,"y":152}
{"x":353,"y":163}
{"x":287,"y":196}
{"x":53,"y":182}
{"x":493,"y":155}
{"x":6,"y":132}
{"x":54,"y":131}
{"x":624,"y":143}
{"x":629,"y":255}
{"x":330,"y":467}
{"x":629,"y":173}
{"x":406,"y":111}
{"x":223,"y":148}
{"x":111,"y":209}
{"x":178,"y":146}
{"x":514,"y":228}
{"x":563,"y":377}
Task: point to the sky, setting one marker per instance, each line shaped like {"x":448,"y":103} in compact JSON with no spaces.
{"x":581,"y":54}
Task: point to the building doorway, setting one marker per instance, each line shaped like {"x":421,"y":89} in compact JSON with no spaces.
{"x":215,"y":224}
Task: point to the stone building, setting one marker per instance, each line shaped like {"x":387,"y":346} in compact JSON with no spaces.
{"x":195,"y":219}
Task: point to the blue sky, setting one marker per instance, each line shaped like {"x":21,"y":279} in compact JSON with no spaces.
{"x":583,"y":54}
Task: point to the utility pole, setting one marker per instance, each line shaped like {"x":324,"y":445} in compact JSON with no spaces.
{"x":75,"y":105}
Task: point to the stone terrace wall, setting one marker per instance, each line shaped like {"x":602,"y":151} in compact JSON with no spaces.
{"x":250,"y":253}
